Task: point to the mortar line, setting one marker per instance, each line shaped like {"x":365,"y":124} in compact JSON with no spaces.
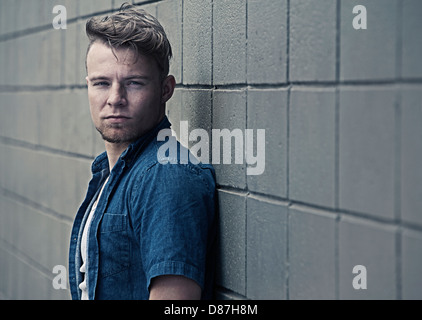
{"x":35,"y":205}
{"x":41,"y":148}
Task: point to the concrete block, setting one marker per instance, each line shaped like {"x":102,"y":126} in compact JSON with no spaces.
{"x":367,"y":151}
{"x":11,"y":273}
{"x":72,"y":7}
{"x":197,"y":111}
{"x":61,"y":185}
{"x":50,"y":107}
{"x":50,"y":70}
{"x":11,"y":221}
{"x":196,"y":108}
{"x":372,"y":245}
{"x":8,"y":274}
{"x":27,"y":14}
{"x":197,"y":42}
{"x":61,"y":181}
{"x":7,"y":17}
{"x":65,"y":193}
{"x":83,"y":42}
{"x":25,"y":167}
{"x":32,"y":283}
{"x":31,"y":60}
{"x":368,"y":54}
{"x":8,"y":112}
{"x":10,"y":168}
{"x":266,"y":249}
{"x":76,"y":126}
{"x":3,"y":62}
{"x":411,"y":41}
{"x":312,"y":146}
{"x":267,"y":41}
{"x":267,"y":109}
{"x":170,"y":15}
{"x":42,"y":242}
{"x":69,"y":196}
{"x":5,"y":159}
{"x":38,"y":59}
{"x":3,"y":217}
{"x":411,"y":265}
{"x":231,"y":272}
{"x":26,"y":117}
{"x":30,"y":252}
{"x":9,"y":60}
{"x":151,"y":8}
{"x":229,"y":41}
{"x":174,"y":109}
{"x":229,"y":112}
{"x":312,"y":254}
{"x":312,"y":42}
{"x":55,"y":51}
{"x":94,"y":6}
{"x":411,"y":152}
{"x":70,"y":55}
{"x":4,"y":275}
{"x":45,"y":72}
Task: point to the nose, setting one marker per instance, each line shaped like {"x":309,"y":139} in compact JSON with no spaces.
{"x":117,"y":96}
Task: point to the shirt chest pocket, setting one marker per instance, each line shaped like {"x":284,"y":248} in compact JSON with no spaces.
{"x":114,"y":244}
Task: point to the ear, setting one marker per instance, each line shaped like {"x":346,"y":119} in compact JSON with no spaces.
{"x":167,"y":88}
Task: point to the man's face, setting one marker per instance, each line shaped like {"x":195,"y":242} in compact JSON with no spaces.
{"x":126,"y":97}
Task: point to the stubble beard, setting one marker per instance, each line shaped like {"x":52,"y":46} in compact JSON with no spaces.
{"x":121,"y":135}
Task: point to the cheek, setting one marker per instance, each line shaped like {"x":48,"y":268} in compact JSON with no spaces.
{"x":94,"y":107}
{"x":94,"y":116}
{"x":145,"y":102}
{"x":95,"y":98}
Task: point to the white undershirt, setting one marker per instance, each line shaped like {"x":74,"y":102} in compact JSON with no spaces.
{"x":84,"y":249}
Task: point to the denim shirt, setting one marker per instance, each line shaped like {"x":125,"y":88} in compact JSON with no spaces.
{"x":152,"y":219}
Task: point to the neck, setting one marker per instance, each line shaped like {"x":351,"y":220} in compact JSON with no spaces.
{"x":114,"y":150}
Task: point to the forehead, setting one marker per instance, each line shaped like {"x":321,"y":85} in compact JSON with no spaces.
{"x":101,"y":58}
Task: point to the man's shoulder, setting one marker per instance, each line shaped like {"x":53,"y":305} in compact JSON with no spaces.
{"x":170,"y":151}
{"x":157,"y":163}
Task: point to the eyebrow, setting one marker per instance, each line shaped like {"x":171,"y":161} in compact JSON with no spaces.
{"x":135,"y":76}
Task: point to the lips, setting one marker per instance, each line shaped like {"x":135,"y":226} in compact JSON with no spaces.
{"x":117,"y":118}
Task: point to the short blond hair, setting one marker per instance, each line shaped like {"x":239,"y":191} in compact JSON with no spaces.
{"x":132,"y":28}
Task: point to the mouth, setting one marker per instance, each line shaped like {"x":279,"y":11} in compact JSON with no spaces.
{"x":117,"y":118}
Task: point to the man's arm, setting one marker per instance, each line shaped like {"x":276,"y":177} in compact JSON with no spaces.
{"x":173,"y":287}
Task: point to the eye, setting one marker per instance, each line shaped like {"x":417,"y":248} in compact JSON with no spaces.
{"x":134,"y":83}
{"x":100,"y":84}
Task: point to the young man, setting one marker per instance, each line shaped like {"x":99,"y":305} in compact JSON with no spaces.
{"x":146,"y":229}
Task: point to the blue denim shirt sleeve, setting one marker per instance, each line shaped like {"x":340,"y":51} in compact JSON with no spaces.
{"x":172,"y":215}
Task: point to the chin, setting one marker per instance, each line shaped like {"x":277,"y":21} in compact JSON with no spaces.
{"x":119,"y":136}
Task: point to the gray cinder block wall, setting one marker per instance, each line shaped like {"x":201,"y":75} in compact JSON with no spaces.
{"x":342,"y":110}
